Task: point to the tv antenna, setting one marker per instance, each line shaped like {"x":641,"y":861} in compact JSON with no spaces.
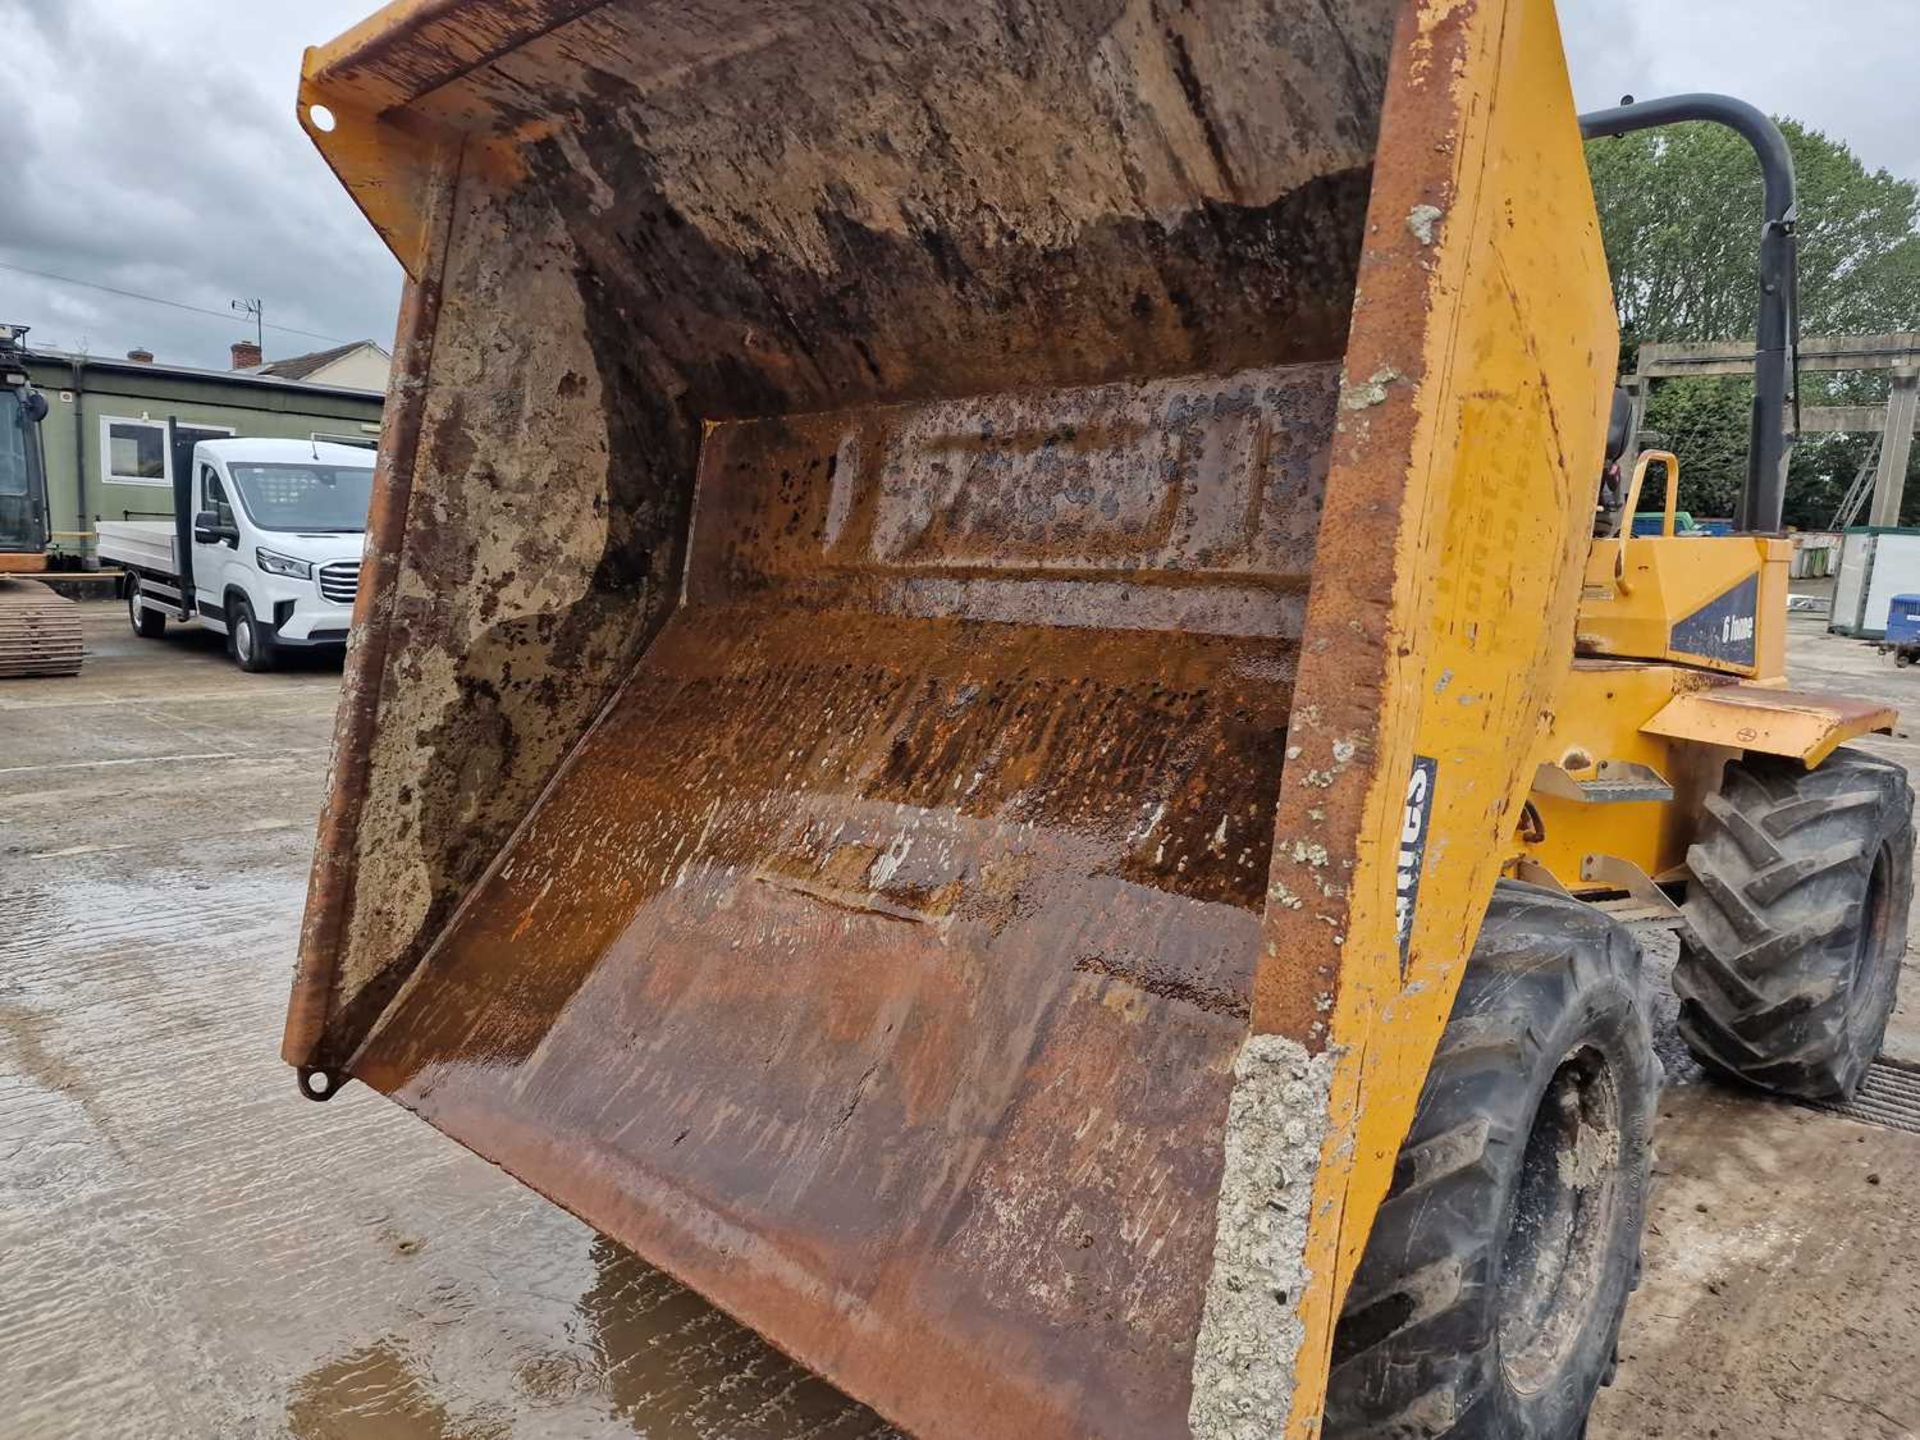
{"x":258,"y":310}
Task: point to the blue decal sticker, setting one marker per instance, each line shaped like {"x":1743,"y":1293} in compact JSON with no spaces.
{"x":1413,"y":851}
{"x":1722,"y":629}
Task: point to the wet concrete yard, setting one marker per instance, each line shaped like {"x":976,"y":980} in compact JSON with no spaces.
{"x":188,"y":1248}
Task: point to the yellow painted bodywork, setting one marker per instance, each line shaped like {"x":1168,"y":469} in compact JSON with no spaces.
{"x":1487,"y":572}
{"x":1657,"y":703}
{"x":1602,"y":713}
{"x":392,"y":167}
{"x":1474,"y":673}
{"x":1640,"y":587}
{"x":1769,"y":720}
{"x":1640,"y":695}
{"x":1683,"y":724}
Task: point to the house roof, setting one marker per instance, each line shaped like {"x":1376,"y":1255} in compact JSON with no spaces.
{"x":299,"y":367}
{"x":42,"y":355}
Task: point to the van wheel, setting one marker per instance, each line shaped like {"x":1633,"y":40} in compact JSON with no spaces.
{"x":148,"y":624}
{"x":1488,"y":1303}
{"x":248,"y":641}
{"x":1796,"y":921}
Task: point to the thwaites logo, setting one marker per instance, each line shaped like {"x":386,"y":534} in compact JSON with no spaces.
{"x":1722,"y":629}
{"x":1413,"y":850}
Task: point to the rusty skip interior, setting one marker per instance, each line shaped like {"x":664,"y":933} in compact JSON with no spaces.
{"x":838,"y":647}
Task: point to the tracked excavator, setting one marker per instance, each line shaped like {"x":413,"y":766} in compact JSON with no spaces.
{"x":994,"y":720}
{"x":39,"y":630}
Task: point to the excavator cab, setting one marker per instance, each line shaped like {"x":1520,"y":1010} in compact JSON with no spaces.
{"x":23,"y":480}
{"x":39,"y":631}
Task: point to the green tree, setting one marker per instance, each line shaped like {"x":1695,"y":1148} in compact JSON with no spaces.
{"x":1679,"y":213}
{"x":1706,"y":423}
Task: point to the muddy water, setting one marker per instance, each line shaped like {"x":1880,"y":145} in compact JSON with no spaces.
{"x":187,"y":1247}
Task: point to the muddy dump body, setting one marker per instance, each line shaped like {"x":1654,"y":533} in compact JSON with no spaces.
{"x":948,"y":597}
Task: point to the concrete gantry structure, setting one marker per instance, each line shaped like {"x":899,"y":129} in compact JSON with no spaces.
{"x":1898,"y":352}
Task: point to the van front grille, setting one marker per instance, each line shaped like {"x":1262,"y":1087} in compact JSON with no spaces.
{"x":340,"y":581}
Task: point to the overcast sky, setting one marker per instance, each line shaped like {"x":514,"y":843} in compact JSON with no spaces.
{"x":150,"y":145}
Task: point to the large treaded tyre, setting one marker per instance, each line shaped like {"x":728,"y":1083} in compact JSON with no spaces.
{"x":1488,"y":1303}
{"x":1796,"y":921}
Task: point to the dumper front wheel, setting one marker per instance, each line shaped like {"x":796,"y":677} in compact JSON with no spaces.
{"x":1796,"y":921}
{"x":1489,"y":1299}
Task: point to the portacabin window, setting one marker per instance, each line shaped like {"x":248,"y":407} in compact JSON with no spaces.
{"x":133,"y":452}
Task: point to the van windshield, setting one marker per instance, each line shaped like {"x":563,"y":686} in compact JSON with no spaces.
{"x":314,"y":498}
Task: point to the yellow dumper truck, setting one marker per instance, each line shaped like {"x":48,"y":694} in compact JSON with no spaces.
{"x":991,"y":701}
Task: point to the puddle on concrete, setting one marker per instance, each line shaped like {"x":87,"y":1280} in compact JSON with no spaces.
{"x":677,"y":1369}
{"x":374,"y":1393}
{"x":190,"y":1248}
{"x":640,"y":1356}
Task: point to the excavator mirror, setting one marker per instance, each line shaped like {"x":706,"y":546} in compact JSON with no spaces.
{"x":34,"y":405}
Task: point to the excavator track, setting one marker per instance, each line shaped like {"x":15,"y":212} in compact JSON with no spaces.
{"x":39,"y":631}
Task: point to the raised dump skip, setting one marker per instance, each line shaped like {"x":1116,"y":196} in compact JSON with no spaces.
{"x":894,"y":931}
{"x":741,"y":212}
{"x":893,"y":649}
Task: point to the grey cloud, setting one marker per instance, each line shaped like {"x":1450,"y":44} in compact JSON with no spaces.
{"x":152,"y":147}
{"x":1847,"y":69}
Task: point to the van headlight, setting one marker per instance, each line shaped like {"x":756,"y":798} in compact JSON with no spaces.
{"x":284,"y":565}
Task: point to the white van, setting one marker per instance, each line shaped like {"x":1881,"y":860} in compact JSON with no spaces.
{"x":264,"y":546}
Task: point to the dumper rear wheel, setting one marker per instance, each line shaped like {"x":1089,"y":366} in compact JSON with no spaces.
{"x":1489,"y":1299}
{"x":1796,"y":922}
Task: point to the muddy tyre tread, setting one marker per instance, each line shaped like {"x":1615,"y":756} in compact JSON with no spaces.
{"x":1416,"y":1350}
{"x":1771,"y":926}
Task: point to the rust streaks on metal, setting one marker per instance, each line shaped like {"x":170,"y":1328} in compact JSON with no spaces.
{"x":907,"y":926}
{"x":414,"y":47}
{"x":1359,"y":555}
{"x":819,"y":797}
{"x":330,"y":892}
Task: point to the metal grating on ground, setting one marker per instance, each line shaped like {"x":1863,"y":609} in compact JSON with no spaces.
{"x":1889,"y":1096}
